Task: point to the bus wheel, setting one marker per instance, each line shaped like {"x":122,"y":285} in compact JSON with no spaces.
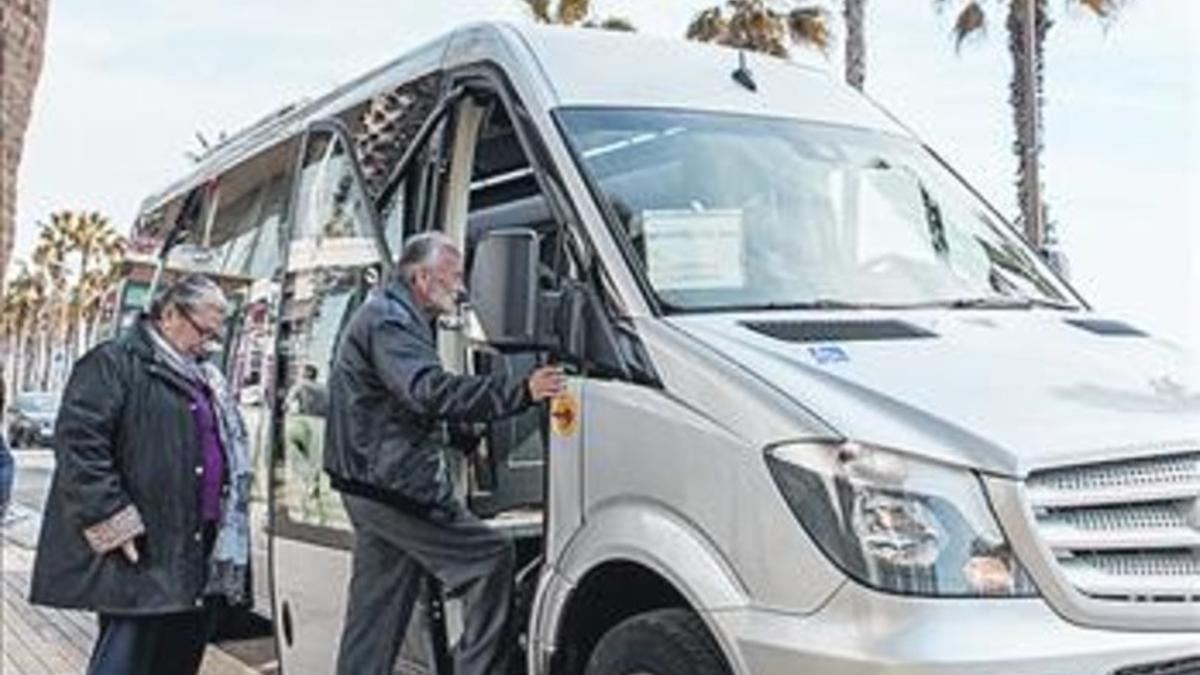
{"x":662,"y":642}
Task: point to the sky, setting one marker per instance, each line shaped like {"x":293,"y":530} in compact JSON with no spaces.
{"x":126,"y":87}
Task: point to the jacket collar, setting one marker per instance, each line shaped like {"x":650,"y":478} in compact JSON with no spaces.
{"x":138,"y":340}
{"x":399,"y":292}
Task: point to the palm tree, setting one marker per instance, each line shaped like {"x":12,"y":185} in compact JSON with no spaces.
{"x":20,"y":306}
{"x":49,"y":259}
{"x":972,"y":22}
{"x":92,"y":236}
{"x":93,"y":287}
{"x":767,"y":26}
{"x":806,"y":25}
{"x":573,"y":13}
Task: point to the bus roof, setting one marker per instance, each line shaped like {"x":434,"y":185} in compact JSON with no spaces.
{"x":611,"y":68}
{"x":576,"y":67}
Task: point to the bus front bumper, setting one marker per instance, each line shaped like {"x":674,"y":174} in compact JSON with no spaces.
{"x":863,"y":632}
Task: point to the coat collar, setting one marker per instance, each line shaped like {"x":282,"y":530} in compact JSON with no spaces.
{"x":138,"y":340}
{"x":399,"y":292}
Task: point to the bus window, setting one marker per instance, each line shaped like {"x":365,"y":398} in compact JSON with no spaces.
{"x":242,"y":235}
{"x":332,"y":263}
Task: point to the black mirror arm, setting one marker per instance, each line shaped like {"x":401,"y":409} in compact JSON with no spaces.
{"x":583,"y":327}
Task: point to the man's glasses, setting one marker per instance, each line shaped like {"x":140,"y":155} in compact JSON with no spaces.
{"x":206,"y":334}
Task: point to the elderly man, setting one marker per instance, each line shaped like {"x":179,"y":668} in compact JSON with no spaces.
{"x":390,"y":403}
{"x":146,"y":520}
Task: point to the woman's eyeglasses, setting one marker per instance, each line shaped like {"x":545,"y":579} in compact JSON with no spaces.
{"x":205,"y":333}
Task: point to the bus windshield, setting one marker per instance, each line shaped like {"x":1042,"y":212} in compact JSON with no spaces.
{"x":736,"y":212}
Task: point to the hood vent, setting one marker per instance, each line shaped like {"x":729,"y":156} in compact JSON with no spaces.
{"x":1107,"y":327}
{"x":838,"y":331}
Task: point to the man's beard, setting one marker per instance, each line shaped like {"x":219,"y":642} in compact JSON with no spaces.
{"x":444,"y":302}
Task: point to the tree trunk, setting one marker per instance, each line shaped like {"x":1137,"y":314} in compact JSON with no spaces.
{"x":854,"y":12}
{"x":65,"y":347}
{"x":43,"y":366}
{"x":1027,"y":113}
{"x":29,"y":357}
{"x":14,"y":367}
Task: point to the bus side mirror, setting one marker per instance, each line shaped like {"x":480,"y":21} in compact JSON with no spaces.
{"x":504,"y":290}
{"x":516,"y":312}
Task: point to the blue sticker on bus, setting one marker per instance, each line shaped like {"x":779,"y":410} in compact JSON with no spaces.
{"x":828,"y":354}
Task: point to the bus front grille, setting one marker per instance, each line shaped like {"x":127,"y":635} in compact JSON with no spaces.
{"x":1124,"y":531}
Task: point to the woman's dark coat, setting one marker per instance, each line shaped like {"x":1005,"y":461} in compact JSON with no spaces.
{"x":125,"y":436}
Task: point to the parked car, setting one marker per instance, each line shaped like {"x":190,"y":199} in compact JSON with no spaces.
{"x":31,"y":419}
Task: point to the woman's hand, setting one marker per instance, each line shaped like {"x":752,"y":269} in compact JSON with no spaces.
{"x":130,"y":551}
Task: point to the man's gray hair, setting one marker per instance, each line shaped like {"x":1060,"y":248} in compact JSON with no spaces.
{"x":422,"y":250}
{"x":190,"y":293}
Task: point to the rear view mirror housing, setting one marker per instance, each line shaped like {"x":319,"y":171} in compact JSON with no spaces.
{"x":513,"y":311}
{"x":520,"y":307}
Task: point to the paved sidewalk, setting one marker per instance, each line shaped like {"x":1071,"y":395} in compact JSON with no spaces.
{"x":41,"y":641}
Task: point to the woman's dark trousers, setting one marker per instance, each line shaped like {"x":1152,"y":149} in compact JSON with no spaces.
{"x":151,"y":645}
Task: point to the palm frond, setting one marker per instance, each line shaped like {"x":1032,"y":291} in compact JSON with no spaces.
{"x":809,"y":26}
{"x":571,"y":12}
{"x":1102,"y":8}
{"x":540,"y":9}
{"x":971,"y":21}
{"x":755,"y":26}
{"x":707,"y":26}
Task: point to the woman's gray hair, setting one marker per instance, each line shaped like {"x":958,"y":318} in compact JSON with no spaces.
{"x":421,"y":250}
{"x":189,"y":293}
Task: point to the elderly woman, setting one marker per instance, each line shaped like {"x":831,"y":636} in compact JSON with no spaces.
{"x":146,"y":522}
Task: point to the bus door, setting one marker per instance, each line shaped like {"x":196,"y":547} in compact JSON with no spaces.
{"x":524,"y":474}
{"x":333,"y":258}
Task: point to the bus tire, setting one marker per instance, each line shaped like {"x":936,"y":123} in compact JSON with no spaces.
{"x":662,"y":642}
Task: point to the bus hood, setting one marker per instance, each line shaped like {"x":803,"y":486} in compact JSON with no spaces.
{"x":1002,"y":391}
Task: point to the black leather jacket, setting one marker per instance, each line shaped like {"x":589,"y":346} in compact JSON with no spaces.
{"x":390,"y":400}
{"x":125,"y":442}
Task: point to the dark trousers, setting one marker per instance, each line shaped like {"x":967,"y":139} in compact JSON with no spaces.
{"x":159,"y":643}
{"x":151,"y":645}
{"x":392,"y":551}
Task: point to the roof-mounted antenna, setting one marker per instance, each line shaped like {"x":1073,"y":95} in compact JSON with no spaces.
{"x":742,"y":75}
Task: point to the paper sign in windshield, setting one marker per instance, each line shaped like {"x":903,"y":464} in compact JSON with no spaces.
{"x":693,"y":250}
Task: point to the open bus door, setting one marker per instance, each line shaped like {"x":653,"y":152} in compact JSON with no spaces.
{"x":333,"y":257}
{"x":465,"y":173}
{"x":340,"y":242}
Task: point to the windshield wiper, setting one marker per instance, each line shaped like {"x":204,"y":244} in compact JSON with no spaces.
{"x":1001,"y":302}
{"x":820,"y":303}
{"x":832,"y":304}
{"x":1053,"y":304}
{"x":997,"y":302}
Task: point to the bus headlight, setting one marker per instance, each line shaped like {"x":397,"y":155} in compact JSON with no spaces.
{"x":898,"y":523}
